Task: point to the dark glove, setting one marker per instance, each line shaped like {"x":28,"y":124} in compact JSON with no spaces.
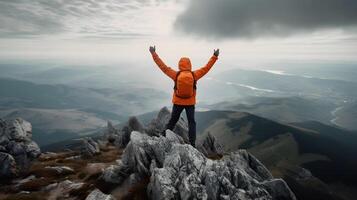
{"x":152,"y":49}
{"x":216,"y":52}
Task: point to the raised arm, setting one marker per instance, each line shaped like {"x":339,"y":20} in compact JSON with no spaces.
{"x":167,"y":70}
{"x":199,"y":73}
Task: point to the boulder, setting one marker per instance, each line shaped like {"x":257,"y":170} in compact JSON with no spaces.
{"x":110,"y":133}
{"x":15,"y":129}
{"x":210,"y":147}
{"x":98,"y":195}
{"x":63,"y":190}
{"x":89,"y":147}
{"x":158,"y":124}
{"x":59,"y":170}
{"x":15,"y":140}
{"x":8,"y":165}
{"x":121,"y":137}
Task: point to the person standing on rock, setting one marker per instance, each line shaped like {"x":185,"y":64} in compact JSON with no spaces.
{"x":184,"y":94}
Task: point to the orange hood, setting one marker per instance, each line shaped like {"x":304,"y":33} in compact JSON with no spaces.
{"x":184,"y":64}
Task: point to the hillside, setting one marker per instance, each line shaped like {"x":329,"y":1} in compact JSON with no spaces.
{"x":288,"y":150}
{"x":283,"y":109}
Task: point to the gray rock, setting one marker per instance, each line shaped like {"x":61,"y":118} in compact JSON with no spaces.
{"x":122,"y":137}
{"x":63,"y":189}
{"x":210,"y":147}
{"x":89,"y":147}
{"x":134,"y":125}
{"x":32,"y":149}
{"x":7,"y":166}
{"x":157,"y":125}
{"x":15,"y":139}
{"x":98,"y":195}
{"x":15,"y":129}
{"x":142,"y":153}
{"x":278,"y":189}
{"x":110,"y":133}
{"x":60,"y":170}
{"x":179,"y":171}
{"x":116,"y":174}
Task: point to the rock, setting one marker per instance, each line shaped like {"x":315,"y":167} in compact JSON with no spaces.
{"x":16,"y":129}
{"x":116,"y":174}
{"x":89,"y":147}
{"x":60,"y":170}
{"x":122,"y":137}
{"x":7,"y":166}
{"x":134,"y":125}
{"x":139,"y":154}
{"x":210,"y":147}
{"x":98,"y":195}
{"x":15,"y":140}
{"x":179,"y":171}
{"x":278,"y":189}
{"x":110,"y":133}
{"x":25,"y":180}
{"x":188,"y":174}
{"x":63,"y":189}
{"x":157,"y":125}
{"x":32,"y":149}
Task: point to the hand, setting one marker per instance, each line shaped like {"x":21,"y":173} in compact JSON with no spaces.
{"x":152,"y":49}
{"x":216,"y":52}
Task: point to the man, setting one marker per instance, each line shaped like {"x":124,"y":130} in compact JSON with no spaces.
{"x":184,"y":95}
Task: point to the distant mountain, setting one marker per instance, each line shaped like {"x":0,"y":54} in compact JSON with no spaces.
{"x":17,"y":93}
{"x":61,"y":112}
{"x":283,"y":109}
{"x":289,"y":150}
{"x":289,"y":84}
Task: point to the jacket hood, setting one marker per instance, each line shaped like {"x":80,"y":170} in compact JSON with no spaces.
{"x":184,"y":64}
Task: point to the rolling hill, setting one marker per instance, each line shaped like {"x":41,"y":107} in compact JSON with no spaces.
{"x":60,"y":112}
{"x":300,"y":154}
{"x":283,"y":109}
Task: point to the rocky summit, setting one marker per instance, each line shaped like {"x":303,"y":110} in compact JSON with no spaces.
{"x":178,"y":171}
{"x":138,"y":162}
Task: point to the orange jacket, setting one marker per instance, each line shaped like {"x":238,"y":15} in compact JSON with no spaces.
{"x":184,"y":64}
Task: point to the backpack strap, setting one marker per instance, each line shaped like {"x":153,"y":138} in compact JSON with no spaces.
{"x":177,"y":74}
{"x":194,"y":80}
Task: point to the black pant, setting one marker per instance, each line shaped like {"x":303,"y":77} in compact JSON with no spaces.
{"x":190,"y":113}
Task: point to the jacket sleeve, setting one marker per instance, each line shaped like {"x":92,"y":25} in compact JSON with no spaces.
{"x":199,"y":73}
{"x":167,"y":70}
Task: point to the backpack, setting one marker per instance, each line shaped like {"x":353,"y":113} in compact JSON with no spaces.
{"x":185,"y":84}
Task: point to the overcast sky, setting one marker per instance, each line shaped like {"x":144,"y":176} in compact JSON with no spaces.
{"x":248,"y":32}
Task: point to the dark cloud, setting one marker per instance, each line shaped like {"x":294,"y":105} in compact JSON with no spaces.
{"x":257,"y":18}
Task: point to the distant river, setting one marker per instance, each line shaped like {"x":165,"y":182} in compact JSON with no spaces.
{"x":334,"y":115}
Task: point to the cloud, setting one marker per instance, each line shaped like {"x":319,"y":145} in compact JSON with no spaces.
{"x":262,"y":18}
{"x":77,"y":18}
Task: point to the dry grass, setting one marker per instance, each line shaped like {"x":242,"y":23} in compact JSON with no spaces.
{"x":30,"y":196}
{"x":86,"y":170}
{"x":35,"y":185}
{"x":132,"y":192}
